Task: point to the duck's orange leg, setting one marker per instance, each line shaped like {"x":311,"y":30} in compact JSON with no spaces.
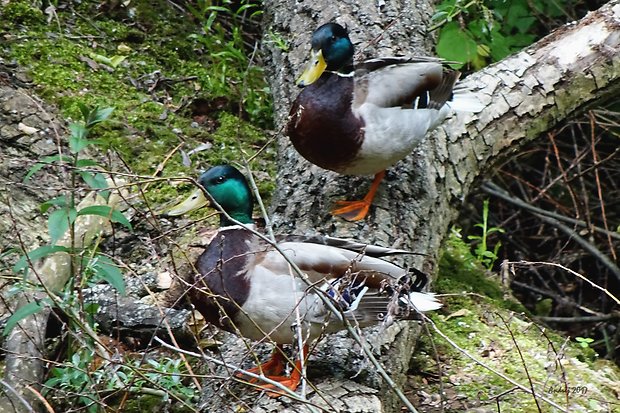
{"x":272,"y":367}
{"x":357,"y":210}
{"x":291,"y":382}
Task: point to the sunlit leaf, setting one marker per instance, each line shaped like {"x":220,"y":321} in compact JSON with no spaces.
{"x":38,"y":253}
{"x":23,"y":312}
{"x":98,"y":115}
{"x":59,"y":221}
{"x":107,"y":212}
{"x":94,"y":180}
{"x":456,"y":44}
{"x":109,"y":272}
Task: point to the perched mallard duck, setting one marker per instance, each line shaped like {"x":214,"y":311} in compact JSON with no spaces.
{"x":360,"y":120}
{"x":244,"y":285}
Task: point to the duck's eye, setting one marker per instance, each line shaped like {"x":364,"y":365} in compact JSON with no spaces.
{"x":219,"y":179}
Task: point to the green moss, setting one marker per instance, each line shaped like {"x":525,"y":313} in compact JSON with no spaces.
{"x":169,"y":61}
{"x":16,"y":13}
{"x":460,"y":272}
{"x":517,"y":348}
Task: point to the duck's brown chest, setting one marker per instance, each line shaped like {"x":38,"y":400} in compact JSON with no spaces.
{"x":221,"y":287}
{"x":322,"y":127}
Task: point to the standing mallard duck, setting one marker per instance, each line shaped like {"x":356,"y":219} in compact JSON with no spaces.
{"x":246,"y":286}
{"x":361,"y":120}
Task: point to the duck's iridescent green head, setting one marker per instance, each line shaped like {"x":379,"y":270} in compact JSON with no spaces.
{"x":228,"y":188}
{"x":331,"y":50}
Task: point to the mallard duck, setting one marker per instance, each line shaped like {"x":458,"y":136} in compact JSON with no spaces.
{"x":360,"y":120}
{"x":245,"y":285}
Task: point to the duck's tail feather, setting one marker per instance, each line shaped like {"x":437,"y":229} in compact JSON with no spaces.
{"x":421,"y":302}
{"x":444,"y":91}
{"x":464,"y":100}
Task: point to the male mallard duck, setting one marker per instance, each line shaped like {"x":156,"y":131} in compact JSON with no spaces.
{"x":246,"y":286}
{"x":361,"y":120}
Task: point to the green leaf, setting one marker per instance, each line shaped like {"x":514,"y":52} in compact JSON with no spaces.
{"x":78,"y":131}
{"x":117,"y":60}
{"x":98,"y":115}
{"x":77,"y":140}
{"x":23,"y":312}
{"x":59,"y":221}
{"x":456,"y":44}
{"x":60,"y":201}
{"x":44,"y":162}
{"x":108,"y":271}
{"x":38,"y":253}
{"x":106,"y":212}
{"x":84,"y":110}
{"x":94,"y":180}
{"x":83,"y":163}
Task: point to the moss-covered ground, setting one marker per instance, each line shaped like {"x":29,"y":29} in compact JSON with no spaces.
{"x":175,"y":79}
{"x":481,"y":318}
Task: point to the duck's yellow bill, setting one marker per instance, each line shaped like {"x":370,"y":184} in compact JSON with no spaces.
{"x":196,"y":200}
{"x":314,"y":70}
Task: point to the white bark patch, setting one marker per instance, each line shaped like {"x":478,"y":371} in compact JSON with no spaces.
{"x":578,"y":44}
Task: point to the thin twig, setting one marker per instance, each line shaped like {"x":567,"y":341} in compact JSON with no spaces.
{"x":580,"y":319}
{"x":527,"y":373}
{"x":576,"y":274}
{"x":492,"y":189}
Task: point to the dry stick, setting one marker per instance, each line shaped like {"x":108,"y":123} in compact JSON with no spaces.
{"x":17,"y":395}
{"x":491,"y":369}
{"x":580,"y":319}
{"x":492,"y":189}
{"x":559,"y":298}
{"x":576,"y":274}
{"x":527,"y":373}
{"x":558,"y":159}
{"x":598,"y":187}
{"x":163,"y":163}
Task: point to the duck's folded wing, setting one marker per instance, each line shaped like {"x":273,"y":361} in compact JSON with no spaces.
{"x":320,"y":262}
{"x":407,"y":85}
{"x":345,"y":243}
{"x":380,"y":62}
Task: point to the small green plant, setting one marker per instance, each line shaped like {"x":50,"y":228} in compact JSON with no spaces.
{"x":482,"y":252}
{"x":584,"y":342}
{"x":74,"y":377}
{"x":229,"y":56}
{"x":90,"y":265}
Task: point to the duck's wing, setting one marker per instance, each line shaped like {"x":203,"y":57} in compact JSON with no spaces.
{"x":325,"y":262}
{"x":365,"y":289}
{"x":416,"y":83}
{"x":345,"y":243}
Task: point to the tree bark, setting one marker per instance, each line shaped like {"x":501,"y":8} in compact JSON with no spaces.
{"x":525,"y":95}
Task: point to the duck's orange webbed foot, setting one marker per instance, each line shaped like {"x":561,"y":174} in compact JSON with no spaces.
{"x":351,"y":210}
{"x":290,"y":383}
{"x":272,"y":367}
{"x":358,"y":210}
